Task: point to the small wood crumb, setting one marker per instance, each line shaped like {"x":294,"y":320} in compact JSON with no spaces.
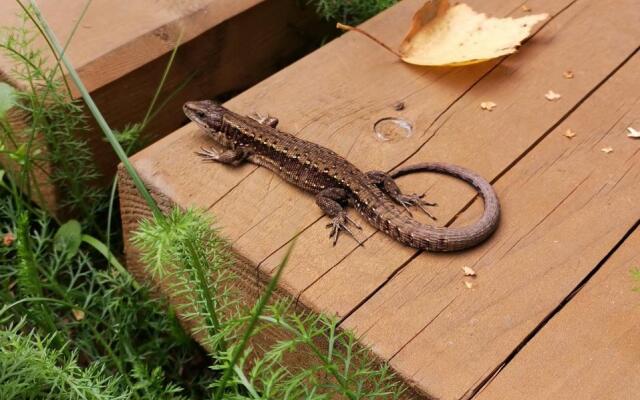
{"x":633,"y":133}
{"x":569,"y":133}
{"x":468,"y":284}
{"x":468,"y":271}
{"x":552,"y":96}
{"x":488,"y":105}
{"x":77,"y":314}
{"x":399,"y":106}
{"x":525,"y":8}
{"x":568,"y":74}
{"x":607,"y":150}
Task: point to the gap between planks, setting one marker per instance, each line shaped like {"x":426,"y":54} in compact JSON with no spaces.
{"x":477,"y":390}
{"x":609,"y":303}
{"x":278,"y":80}
{"x":585,"y":205}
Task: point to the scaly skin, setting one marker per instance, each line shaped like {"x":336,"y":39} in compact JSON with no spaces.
{"x":335,"y":181}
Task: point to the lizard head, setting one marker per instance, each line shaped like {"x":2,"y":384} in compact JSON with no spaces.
{"x":209,"y":117}
{"x":206,"y":113}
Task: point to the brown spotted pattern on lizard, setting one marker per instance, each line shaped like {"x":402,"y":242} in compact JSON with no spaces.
{"x":338,"y":183}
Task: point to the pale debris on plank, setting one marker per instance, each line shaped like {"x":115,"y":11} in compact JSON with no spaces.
{"x":552,"y":96}
{"x":525,"y":8}
{"x":569,"y":133}
{"x":607,"y":150}
{"x":568,"y":74}
{"x":468,"y":271}
{"x":488,"y":105}
{"x":634,"y":134}
{"x":468,"y":284}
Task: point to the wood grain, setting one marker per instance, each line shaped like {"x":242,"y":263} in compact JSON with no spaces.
{"x":589,"y":350}
{"x":334,"y":96}
{"x":118,"y":36}
{"x":486,"y":142}
{"x":338,"y":113}
{"x":565,"y":205}
{"x":121,"y":49}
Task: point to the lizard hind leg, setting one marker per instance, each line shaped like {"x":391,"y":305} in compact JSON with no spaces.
{"x":329,"y":200}
{"x":386,"y":183}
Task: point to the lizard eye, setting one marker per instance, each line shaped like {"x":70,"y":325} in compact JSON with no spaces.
{"x":201,"y":114}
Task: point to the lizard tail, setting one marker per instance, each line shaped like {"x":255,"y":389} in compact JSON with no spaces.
{"x":454,"y":238}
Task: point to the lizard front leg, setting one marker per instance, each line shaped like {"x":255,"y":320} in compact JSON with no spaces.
{"x":329,"y":200}
{"x":386,"y":183}
{"x":232,"y":157}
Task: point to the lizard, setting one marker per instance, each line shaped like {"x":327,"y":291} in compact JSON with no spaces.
{"x":338,"y":183}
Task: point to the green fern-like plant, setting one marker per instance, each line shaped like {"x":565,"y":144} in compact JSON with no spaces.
{"x":187,"y":253}
{"x":55,"y":133}
{"x":32,"y":367}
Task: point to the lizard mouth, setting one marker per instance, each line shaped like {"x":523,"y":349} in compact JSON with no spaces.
{"x":206,"y":113}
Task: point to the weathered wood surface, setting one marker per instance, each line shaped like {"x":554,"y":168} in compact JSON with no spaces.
{"x":414,"y":309}
{"x":121,"y":49}
{"x":565,"y":206}
{"x":590,"y":349}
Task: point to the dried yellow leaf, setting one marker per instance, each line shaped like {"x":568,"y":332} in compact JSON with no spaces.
{"x":443,"y":35}
{"x":568,"y":74}
{"x":569,"y":133}
{"x":633,"y":133}
{"x":468,"y":284}
{"x":488,"y":105}
{"x":468,"y":271}
{"x":78,"y":314}
{"x":552,"y":96}
{"x":607,"y":150}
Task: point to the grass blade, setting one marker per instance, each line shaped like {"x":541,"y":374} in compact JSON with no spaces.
{"x":104,"y":126}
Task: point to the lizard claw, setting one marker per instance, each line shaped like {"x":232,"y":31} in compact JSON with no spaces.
{"x":208,"y":154}
{"x":340,"y":223}
{"x":414,"y":200}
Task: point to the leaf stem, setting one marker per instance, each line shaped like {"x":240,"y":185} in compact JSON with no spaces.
{"x":345,"y":27}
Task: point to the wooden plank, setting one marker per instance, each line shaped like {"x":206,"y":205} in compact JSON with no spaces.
{"x":565,"y":205}
{"x":485,"y":142}
{"x":121,"y":49}
{"x":119,"y":36}
{"x":260,"y":213}
{"x":589,"y":350}
{"x":337,"y":112}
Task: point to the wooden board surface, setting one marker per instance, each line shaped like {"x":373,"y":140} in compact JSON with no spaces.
{"x":414,"y":309}
{"x":121,"y":49}
{"x":116,"y":37}
{"x":565,"y":206}
{"x":590,"y":349}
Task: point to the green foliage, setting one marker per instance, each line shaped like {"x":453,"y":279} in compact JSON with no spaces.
{"x":69,"y":237}
{"x":122,"y":328}
{"x":32,"y":368}
{"x":7,"y":98}
{"x":187,"y":253}
{"x":83,"y":328}
{"x":55,"y":129}
{"x":350,"y":12}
